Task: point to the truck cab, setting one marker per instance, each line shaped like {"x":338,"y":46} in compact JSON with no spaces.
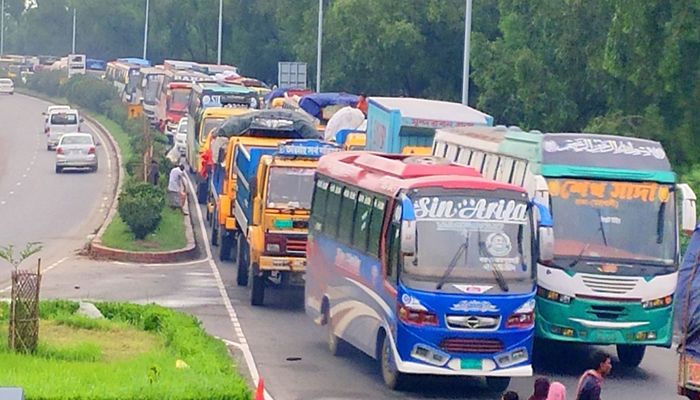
{"x":272,"y":209}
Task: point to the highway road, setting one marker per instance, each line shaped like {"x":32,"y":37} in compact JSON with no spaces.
{"x":36,"y":204}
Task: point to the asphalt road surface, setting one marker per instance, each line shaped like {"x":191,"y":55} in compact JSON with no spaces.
{"x":36,"y":204}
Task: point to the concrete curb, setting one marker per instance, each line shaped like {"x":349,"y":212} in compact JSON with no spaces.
{"x":99,"y":251}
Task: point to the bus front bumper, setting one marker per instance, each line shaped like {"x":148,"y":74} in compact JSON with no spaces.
{"x":281,"y":263}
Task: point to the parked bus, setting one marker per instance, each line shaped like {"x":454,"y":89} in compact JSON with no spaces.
{"x":148,"y":89}
{"x":96,"y":68}
{"x":125,"y":79}
{"x":614,"y":205}
{"x":173,"y":98}
{"x":424,"y":265}
{"x":137,"y":61}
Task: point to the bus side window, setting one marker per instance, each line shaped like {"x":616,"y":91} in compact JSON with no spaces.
{"x":375,"y":226}
{"x":360,"y":232}
{"x":392,"y":247}
{"x":332,"y":210}
{"x":318,"y":208}
{"x":347,"y":210}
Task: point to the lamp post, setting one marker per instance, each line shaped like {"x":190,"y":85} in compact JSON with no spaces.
{"x":73,"y":47}
{"x":221,"y":22}
{"x":318,"y":49}
{"x":467,"y":38}
{"x":2,"y":28}
{"x":145,"y":31}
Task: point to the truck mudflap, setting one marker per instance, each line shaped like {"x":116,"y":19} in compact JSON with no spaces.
{"x":290,"y":264}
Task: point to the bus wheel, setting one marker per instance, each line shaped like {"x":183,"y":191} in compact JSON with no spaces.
{"x":392,"y":377}
{"x":630,"y":355}
{"x":214,"y":234}
{"x":225,"y":244}
{"x":257,"y":286}
{"x":497,"y":384}
{"x":242,"y":277}
{"x":202,"y":193}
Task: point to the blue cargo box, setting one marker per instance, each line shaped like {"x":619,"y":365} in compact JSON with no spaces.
{"x":396,"y":122}
{"x":246,"y":168}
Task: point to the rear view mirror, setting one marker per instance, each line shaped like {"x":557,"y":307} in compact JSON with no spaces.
{"x":98,"y":144}
{"x":688,"y":211}
{"x":43,"y":113}
{"x":82,"y":120}
{"x":408,"y":237}
{"x":546,"y":244}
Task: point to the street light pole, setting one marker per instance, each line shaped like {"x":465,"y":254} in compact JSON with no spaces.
{"x":467,"y":39}
{"x":145,"y":32}
{"x":221,"y":23}
{"x":318,"y":49}
{"x":2,"y":28}
{"x":73,"y":51}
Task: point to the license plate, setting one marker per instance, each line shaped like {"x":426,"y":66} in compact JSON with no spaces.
{"x":606,"y":335}
{"x":470,"y":363}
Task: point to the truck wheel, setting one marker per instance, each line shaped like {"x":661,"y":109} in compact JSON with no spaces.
{"x":497,"y":384}
{"x":630,"y":355}
{"x":202,"y":193}
{"x":257,"y":286}
{"x":242,"y":277}
{"x":214,"y":234}
{"x":391,"y":375}
{"x":225,"y":244}
{"x":335,"y":344}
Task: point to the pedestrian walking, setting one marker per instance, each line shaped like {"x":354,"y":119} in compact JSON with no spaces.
{"x":589,"y":384}
{"x":557,"y":391}
{"x":153,"y":173}
{"x":177,"y":193}
{"x":541,"y":389}
{"x":510,"y":395}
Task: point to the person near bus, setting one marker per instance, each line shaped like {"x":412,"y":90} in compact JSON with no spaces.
{"x":541,"y":389}
{"x":589,"y":385}
{"x":557,"y":391}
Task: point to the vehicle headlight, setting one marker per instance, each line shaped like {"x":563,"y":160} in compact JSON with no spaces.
{"x":553,"y":296}
{"x":658,"y":303}
{"x":272,"y":247}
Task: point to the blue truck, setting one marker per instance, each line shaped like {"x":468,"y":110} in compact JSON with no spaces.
{"x":397,"y":123}
{"x":272,"y":206}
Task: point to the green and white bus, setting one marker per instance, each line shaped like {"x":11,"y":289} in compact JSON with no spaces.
{"x":615,"y":202}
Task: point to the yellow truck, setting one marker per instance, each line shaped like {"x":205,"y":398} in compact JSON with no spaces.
{"x":272,"y":206}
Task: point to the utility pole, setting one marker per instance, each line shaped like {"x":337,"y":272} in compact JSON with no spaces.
{"x":318,"y":50}
{"x":467,"y":38}
{"x":73,"y":48}
{"x":221,"y":24}
{"x":145,"y":32}
{"x":2,"y":28}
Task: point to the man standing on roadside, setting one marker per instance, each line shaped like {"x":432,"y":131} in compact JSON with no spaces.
{"x":177,"y":193}
{"x":589,"y":383}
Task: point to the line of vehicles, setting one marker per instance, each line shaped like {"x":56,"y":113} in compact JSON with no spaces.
{"x":425,"y":236}
{"x":444,"y":244}
{"x":74,"y":148}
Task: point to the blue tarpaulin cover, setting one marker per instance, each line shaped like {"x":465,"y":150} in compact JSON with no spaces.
{"x":689,"y":283}
{"x":314,"y":103}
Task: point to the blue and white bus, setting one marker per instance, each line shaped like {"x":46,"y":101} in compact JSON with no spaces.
{"x":424,"y":265}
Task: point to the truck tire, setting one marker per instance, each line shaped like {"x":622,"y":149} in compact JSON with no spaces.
{"x":630,"y":355}
{"x":257,"y":286}
{"x":243,"y":263}
{"x":214,"y":232}
{"x":202,"y":192}
{"x":426,"y":160}
{"x":225,"y":245}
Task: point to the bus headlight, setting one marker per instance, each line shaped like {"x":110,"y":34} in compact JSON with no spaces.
{"x":658,"y":303}
{"x":272,"y":248}
{"x":553,"y":296}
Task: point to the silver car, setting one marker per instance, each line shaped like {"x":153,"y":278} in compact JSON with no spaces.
{"x":76,"y":150}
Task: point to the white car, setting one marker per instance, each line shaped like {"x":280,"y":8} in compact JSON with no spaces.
{"x":52,"y":110}
{"x":7,"y":86}
{"x":181,"y":136}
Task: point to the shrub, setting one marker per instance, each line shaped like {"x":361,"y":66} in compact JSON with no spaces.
{"x":89,"y":92}
{"x":47,"y":82}
{"x":140,"y":207}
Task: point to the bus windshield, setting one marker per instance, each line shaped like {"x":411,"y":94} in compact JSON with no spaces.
{"x":290,"y":187}
{"x":150,"y":92}
{"x":179,"y":99}
{"x":209,"y":124}
{"x":614,"y":220}
{"x":473,"y":238}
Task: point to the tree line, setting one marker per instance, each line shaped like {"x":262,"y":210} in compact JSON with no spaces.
{"x":611,"y":66}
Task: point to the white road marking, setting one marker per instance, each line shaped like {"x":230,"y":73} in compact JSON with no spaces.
{"x":3,"y":202}
{"x":43,"y":271}
{"x":243,"y":343}
{"x":11,"y":193}
{"x":19,"y":183}
{"x":104,"y":150}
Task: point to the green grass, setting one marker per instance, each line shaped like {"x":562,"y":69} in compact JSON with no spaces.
{"x":170,"y":234}
{"x":130,"y":355}
{"x":121,"y":137}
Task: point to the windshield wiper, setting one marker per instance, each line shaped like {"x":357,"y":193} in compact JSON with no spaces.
{"x":600,"y":229}
{"x":461,"y":250}
{"x":500,"y":279}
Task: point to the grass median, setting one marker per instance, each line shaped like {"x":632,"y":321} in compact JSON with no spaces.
{"x":170,"y":234}
{"x":136,"y":352}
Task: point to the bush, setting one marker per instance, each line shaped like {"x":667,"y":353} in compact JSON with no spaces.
{"x":89,"y":92}
{"x":140,"y":207}
{"x":47,"y":82}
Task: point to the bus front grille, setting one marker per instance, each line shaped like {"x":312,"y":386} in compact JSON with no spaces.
{"x":608,"y":312}
{"x":464,"y":345}
{"x":296,"y":245}
{"x":609,"y":284}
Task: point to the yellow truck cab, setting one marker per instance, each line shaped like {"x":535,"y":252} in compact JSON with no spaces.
{"x":355,"y":141}
{"x":417,"y":151}
{"x":273,"y":202}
